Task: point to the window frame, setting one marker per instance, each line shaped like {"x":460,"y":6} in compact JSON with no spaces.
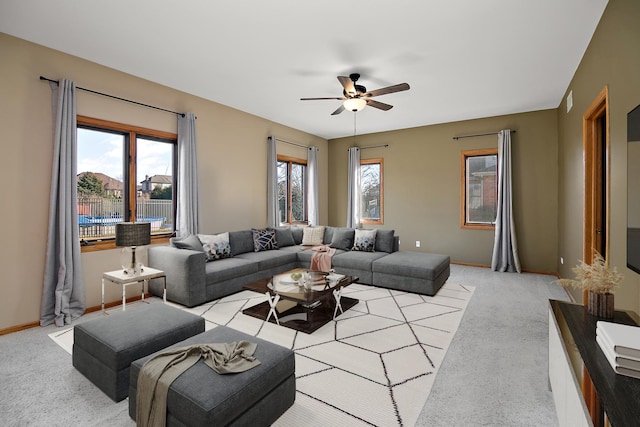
{"x":464,"y":155}
{"x":379,"y":161}
{"x":290,"y":161}
{"x":130,"y":133}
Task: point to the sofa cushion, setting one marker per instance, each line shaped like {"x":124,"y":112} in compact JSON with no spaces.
{"x":270,"y":259}
{"x":284,"y":236}
{"x":229,"y":268}
{"x":241,"y":242}
{"x":313,"y":236}
{"x":364,"y":240}
{"x":191,"y":242}
{"x":264,"y":239}
{"x":385,"y":241}
{"x":356,"y":260}
{"x":342,"y":238}
{"x":305,"y":254}
{"x":297,"y":234}
{"x":328,"y":234}
{"x":216,"y":246}
{"x":420,"y":265}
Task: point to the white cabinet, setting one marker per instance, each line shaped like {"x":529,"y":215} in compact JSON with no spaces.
{"x":567,"y":395}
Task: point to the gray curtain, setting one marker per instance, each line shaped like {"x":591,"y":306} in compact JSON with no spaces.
{"x":63,"y":290}
{"x":505,"y":247}
{"x":272,"y":183}
{"x":353,"y":190}
{"x":187,"y":217}
{"x":312,"y":185}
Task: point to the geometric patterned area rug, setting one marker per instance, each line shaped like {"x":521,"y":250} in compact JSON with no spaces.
{"x":372,"y":366}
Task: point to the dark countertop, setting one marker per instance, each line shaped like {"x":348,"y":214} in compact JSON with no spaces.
{"x":619,"y":394}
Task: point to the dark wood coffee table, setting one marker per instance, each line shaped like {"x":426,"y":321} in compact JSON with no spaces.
{"x":295,"y":307}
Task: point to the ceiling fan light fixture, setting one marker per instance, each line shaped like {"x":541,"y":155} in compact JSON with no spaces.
{"x":354,"y":104}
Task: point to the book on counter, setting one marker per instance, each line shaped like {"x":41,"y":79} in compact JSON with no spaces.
{"x":615,"y":361}
{"x":625,"y":339}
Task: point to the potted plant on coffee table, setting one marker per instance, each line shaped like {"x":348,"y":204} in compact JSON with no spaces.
{"x":600,"y":283}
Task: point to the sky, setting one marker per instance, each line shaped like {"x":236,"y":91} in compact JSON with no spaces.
{"x":103,"y":152}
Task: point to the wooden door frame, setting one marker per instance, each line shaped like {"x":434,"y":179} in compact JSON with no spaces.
{"x":590,"y":126}
{"x":591,"y":131}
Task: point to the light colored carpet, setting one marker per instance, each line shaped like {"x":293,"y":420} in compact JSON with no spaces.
{"x":384,"y":353}
{"x":494,"y":374}
{"x":496,"y":370}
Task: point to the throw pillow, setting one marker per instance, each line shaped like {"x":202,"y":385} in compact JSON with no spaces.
{"x":342,"y":238}
{"x":312,"y":236}
{"x":216,"y":246}
{"x":190,"y":242}
{"x":365,"y":240}
{"x":385,"y":240}
{"x":264,"y":239}
{"x":284,"y":236}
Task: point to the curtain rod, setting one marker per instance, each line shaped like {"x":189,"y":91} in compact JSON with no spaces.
{"x":373,"y":146}
{"x":117,"y":97}
{"x":293,"y":143}
{"x":478,"y":134}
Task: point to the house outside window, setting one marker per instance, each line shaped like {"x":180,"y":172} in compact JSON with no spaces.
{"x":479,"y":191}
{"x":372,"y":191}
{"x":125,"y":173}
{"x":292,"y":200}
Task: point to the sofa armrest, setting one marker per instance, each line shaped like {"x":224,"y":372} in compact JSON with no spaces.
{"x":185,"y":270}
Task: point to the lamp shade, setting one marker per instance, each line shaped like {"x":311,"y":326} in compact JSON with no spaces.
{"x":133,"y":233}
{"x":354,"y":104}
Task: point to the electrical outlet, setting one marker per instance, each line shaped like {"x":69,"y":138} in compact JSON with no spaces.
{"x":561,"y":260}
{"x":417,"y":243}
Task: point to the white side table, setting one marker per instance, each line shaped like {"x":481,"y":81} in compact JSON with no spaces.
{"x":119,"y":277}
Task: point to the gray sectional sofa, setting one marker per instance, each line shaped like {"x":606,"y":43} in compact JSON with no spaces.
{"x":194,"y":276}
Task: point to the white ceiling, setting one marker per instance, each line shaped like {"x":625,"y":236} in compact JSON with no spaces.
{"x":464,"y":59}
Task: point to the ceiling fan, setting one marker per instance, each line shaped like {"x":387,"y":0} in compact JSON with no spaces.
{"x":355,"y":96}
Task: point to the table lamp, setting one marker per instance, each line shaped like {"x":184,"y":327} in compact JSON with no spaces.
{"x":130,"y":235}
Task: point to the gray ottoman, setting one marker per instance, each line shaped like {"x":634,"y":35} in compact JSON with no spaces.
{"x":201,"y":397}
{"x":417,"y":272}
{"x":104,"y":348}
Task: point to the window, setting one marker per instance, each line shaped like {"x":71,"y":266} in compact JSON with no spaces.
{"x":125,"y":173}
{"x":372,"y":191}
{"x":292,"y":201}
{"x":479,"y":190}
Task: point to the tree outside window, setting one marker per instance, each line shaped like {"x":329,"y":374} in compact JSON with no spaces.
{"x":479,"y":194}
{"x":372,"y":191}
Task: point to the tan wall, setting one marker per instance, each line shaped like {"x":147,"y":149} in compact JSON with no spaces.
{"x":231,"y":154}
{"x":613,"y":59}
{"x":422,"y":186}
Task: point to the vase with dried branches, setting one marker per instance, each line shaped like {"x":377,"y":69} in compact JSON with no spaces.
{"x":600,"y":281}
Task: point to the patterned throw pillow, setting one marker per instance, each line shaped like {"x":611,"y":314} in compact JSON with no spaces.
{"x":365,"y":240}
{"x":313,"y":236}
{"x":216,"y":246}
{"x":264,"y":239}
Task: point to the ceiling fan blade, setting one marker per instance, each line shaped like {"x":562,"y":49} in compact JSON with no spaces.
{"x":379,"y":105}
{"x":347,"y":84}
{"x":316,"y":99}
{"x":389,"y":89}
{"x":339,"y":110}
